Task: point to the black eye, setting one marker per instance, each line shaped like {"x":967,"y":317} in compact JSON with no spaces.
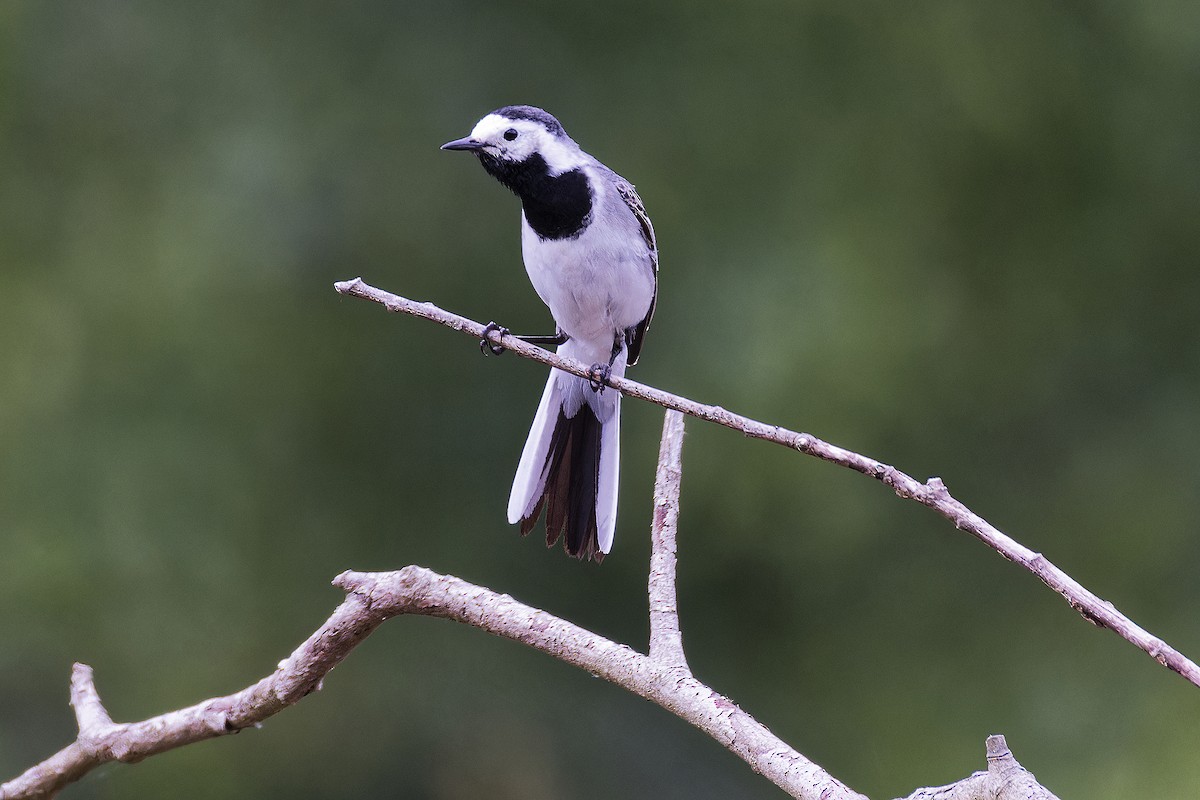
{"x":509,"y":135}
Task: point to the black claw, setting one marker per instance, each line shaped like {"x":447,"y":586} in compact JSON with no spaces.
{"x":486,"y":344}
{"x":598,"y":376}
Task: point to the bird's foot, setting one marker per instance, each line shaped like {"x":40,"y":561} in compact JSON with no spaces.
{"x":598,"y":375}
{"x":486,"y":345}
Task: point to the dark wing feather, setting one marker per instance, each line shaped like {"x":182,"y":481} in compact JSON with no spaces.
{"x":634,"y":336}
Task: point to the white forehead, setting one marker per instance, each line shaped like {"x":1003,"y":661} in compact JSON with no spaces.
{"x":560,"y":152}
{"x":493,"y":126}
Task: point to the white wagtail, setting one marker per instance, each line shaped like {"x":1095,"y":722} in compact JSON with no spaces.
{"x":590,"y":253}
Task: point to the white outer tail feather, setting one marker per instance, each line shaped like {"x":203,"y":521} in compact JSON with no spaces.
{"x":610,"y":469}
{"x":569,"y":392}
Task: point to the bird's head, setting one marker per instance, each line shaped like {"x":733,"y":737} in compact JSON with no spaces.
{"x":516,"y":136}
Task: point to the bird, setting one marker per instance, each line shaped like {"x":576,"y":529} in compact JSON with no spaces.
{"x":590,"y":253}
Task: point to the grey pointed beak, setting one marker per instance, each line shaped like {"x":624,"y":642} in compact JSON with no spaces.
{"x":466,"y":143}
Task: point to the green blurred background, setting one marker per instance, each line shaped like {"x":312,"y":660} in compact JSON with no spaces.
{"x":959,"y":237}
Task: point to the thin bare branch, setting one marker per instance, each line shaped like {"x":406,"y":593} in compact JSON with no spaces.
{"x":932,"y":493}
{"x":666,"y":642}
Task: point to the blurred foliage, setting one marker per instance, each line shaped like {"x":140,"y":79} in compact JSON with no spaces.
{"x":960,"y":237}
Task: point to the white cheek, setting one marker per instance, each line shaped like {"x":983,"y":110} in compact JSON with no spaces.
{"x":521,"y":149}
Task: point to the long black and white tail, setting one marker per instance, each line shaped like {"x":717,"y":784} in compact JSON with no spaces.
{"x":571,"y":463}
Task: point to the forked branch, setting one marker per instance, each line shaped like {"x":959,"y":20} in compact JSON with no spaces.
{"x":662,"y":676}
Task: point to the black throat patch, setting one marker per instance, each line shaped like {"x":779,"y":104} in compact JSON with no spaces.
{"x":556,"y":206}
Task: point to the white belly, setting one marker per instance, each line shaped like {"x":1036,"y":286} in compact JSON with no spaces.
{"x":596,"y":285}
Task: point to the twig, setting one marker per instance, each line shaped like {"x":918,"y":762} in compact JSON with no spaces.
{"x":101,"y":740}
{"x":90,"y":715}
{"x":932,"y":493}
{"x":666,"y":642}
{"x":1005,"y":779}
